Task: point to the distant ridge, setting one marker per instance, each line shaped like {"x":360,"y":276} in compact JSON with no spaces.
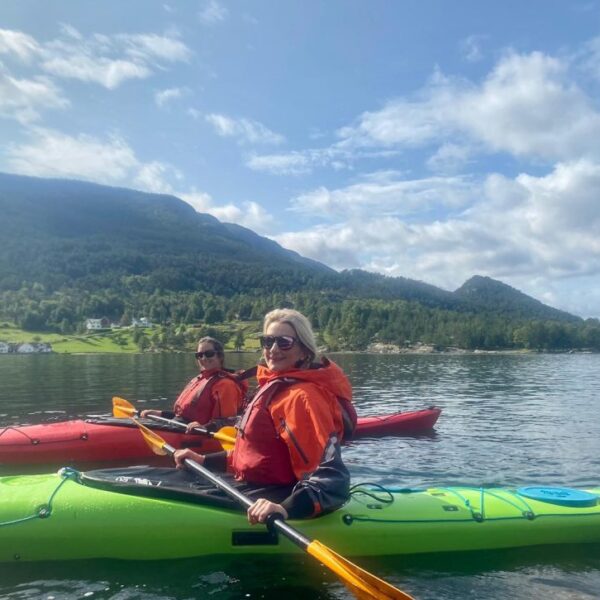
{"x":494,"y":296}
{"x":67,"y":234}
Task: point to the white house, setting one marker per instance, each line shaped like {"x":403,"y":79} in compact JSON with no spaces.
{"x":97,"y":324}
{"x":141,"y":322}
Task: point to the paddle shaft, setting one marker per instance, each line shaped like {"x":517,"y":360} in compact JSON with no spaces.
{"x":179,"y":424}
{"x":289,"y":532}
{"x":227,"y":440}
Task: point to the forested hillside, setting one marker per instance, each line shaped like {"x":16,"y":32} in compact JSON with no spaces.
{"x":73,"y":250}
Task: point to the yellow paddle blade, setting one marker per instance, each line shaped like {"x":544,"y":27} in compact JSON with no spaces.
{"x":226,"y":435}
{"x":123,"y":408}
{"x":362,"y":584}
{"x":156,"y":443}
{"x":122,"y":412}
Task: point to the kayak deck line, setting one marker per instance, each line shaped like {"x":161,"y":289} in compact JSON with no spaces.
{"x":19,"y":430}
{"x":44,"y":511}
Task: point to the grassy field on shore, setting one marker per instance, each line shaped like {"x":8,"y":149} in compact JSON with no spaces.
{"x":121,"y":340}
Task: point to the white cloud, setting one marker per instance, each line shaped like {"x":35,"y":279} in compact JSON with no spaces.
{"x":335,"y":246}
{"x":249,"y":214}
{"x":164,"y":97}
{"x":201,"y":201}
{"x":23,"y":46}
{"x":147,"y":47}
{"x":111,"y":160}
{"x":305,"y":161}
{"x":450,"y":158}
{"x":245,"y":130}
{"x":106,"y":72}
{"x":391,"y":196}
{"x":527,"y":106}
{"x":23,"y":99}
{"x":292,"y":163}
{"x":212,"y":12}
{"x":470,"y":48}
{"x":405,"y":122}
{"x":70,"y":31}
{"x":106,"y":60}
{"x":588,"y":58}
{"x":154,"y":177}
{"x":53,"y":154}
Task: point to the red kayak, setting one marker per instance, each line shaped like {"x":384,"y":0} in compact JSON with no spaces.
{"x":108,"y":439}
{"x":397,"y":423}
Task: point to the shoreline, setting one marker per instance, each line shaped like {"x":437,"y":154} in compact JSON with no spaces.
{"x":423,"y":351}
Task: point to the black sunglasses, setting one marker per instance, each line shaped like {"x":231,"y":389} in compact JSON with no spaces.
{"x":284,"y":342}
{"x":208,"y":354}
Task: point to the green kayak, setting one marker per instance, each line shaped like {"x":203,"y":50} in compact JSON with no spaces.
{"x":57,"y":517}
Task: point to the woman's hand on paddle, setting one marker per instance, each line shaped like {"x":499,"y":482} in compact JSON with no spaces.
{"x":180,"y":455}
{"x":191,"y":426}
{"x":262,"y":508}
{"x":150,"y":411}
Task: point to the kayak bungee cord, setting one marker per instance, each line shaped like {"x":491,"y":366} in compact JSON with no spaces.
{"x":480,"y":516}
{"x":527,"y":513}
{"x":17,"y":430}
{"x":45,"y":510}
{"x":358,"y":489}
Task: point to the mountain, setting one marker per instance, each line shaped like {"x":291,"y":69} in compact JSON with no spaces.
{"x":74,"y":235}
{"x":487,"y":294}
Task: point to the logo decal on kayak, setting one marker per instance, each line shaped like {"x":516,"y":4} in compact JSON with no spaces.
{"x":138,"y":481}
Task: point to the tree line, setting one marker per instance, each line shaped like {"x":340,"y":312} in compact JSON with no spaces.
{"x":342,"y":323}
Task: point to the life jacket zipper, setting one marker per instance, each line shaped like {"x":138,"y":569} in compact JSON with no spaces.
{"x":294,"y":440}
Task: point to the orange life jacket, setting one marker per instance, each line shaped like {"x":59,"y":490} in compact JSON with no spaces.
{"x":197,"y":402}
{"x":260,"y":455}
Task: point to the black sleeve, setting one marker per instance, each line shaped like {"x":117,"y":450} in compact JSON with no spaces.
{"x":216,"y":461}
{"x":167,"y":414}
{"x":324,"y":490}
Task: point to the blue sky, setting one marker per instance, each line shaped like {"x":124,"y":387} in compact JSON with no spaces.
{"x":433,"y":140}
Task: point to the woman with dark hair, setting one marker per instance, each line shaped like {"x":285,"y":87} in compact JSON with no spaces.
{"x":287,"y":452}
{"x":212,"y":395}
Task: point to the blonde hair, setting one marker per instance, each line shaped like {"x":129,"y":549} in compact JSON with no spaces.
{"x":299,"y":323}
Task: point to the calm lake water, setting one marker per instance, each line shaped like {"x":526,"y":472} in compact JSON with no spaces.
{"x":507,"y":420}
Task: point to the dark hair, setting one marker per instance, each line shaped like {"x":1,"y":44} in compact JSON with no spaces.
{"x":216,"y":344}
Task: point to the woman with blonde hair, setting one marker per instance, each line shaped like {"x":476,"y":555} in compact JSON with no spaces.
{"x":287,"y":452}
